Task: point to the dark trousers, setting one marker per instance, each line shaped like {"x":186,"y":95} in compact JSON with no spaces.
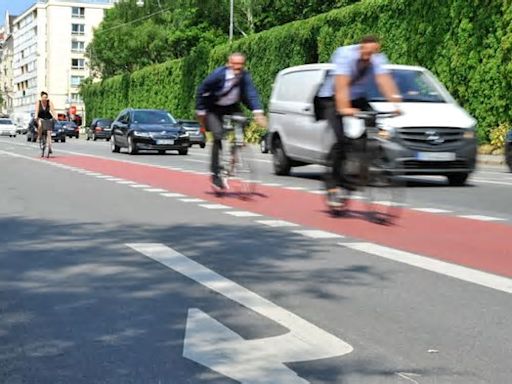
{"x":335,"y":176}
{"x":214,"y":124}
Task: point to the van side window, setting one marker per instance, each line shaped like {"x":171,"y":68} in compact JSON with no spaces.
{"x":299,"y":86}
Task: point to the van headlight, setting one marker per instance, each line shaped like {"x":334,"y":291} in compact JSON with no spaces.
{"x":469,"y":133}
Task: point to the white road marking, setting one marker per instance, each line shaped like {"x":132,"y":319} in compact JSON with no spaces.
{"x":114,"y":179}
{"x":485,"y":279}
{"x":432,"y":210}
{"x":254,"y":361}
{"x":103,"y":177}
{"x":490,"y":182}
{"x":140,"y":186}
{"x":317,"y":234}
{"x":277,"y":223}
{"x":295,"y":188}
{"x":214,"y":206}
{"x":192,"y":200}
{"x":242,"y":214}
{"x":389,"y":203}
{"x":172,"y":194}
{"x":482,"y":218}
{"x":93,"y":174}
{"x":272,"y":184}
{"x":159,"y":190}
{"x":319,"y":192}
{"x":126,"y":182}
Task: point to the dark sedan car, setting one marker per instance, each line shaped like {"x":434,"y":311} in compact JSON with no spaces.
{"x":196,"y":136}
{"x":508,"y":149}
{"x":58,"y":132}
{"x":99,"y":129}
{"x":71,"y":129}
{"x":148,"y":129}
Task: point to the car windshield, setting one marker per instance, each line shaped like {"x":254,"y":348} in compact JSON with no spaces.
{"x":104,"y":123}
{"x":5,"y":122}
{"x":414,"y":86}
{"x":153,"y":117}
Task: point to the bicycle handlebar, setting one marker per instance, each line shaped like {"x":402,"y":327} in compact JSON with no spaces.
{"x":237,"y":119}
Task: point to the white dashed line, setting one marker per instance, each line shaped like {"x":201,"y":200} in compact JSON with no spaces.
{"x":481,"y":217}
{"x":159,"y":190}
{"x":140,"y":186}
{"x":432,"y":210}
{"x":171,"y":194}
{"x":242,"y":214}
{"x":125,"y":182}
{"x":389,"y":203}
{"x":317,"y":234}
{"x":272,"y":184}
{"x":318,"y":192}
{"x":103,"y":176}
{"x":93,"y":174}
{"x":295,"y":188}
{"x":214,"y":206}
{"x":113,"y":179}
{"x":277,"y":223}
{"x":192,"y":200}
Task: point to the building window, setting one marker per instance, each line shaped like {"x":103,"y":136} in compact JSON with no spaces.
{"x":78,"y":46}
{"x":76,"y":80}
{"x":78,"y":12}
{"x":77,"y":29}
{"x":76,"y":97}
{"x":77,"y":63}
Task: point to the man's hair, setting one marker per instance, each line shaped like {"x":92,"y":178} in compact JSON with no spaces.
{"x":236,"y":54}
{"x":368,"y":39}
{"x":44,"y":93}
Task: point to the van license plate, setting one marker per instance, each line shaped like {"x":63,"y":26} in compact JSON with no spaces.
{"x":165,"y":142}
{"x":435,"y":156}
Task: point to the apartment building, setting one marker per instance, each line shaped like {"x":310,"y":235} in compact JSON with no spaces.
{"x":6,"y":56}
{"x":48,"y":53}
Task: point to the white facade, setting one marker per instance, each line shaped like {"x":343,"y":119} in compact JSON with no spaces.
{"x":49,"y":45}
{"x":6,"y":57}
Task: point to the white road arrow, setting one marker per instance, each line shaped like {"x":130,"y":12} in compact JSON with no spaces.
{"x":258,"y":361}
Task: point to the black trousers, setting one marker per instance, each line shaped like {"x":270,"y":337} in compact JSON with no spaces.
{"x":335,"y":176}
{"x":214,"y":124}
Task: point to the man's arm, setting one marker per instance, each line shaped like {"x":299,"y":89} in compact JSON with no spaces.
{"x":252,"y":100}
{"x":342,"y":95}
{"x":205,"y":89}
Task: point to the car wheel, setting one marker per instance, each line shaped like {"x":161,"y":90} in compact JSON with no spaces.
{"x":508,"y":157}
{"x":94,"y":138}
{"x":281,"y":162}
{"x":202,"y":145}
{"x":457,"y":179}
{"x":28,"y":138}
{"x":63,"y":140}
{"x":183,"y":151}
{"x":132,"y":147}
{"x":115,"y":148}
{"x":161,"y":152}
{"x":77,"y":136}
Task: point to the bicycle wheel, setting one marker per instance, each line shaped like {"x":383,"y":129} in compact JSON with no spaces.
{"x":385,"y":194}
{"x":42,"y":144}
{"x":243,"y":170}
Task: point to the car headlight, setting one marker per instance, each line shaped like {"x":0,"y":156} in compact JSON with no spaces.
{"x":184,"y":134}
{"x":469,"y":133}
{"x":142,"y":134}
{"x":386,"y":132}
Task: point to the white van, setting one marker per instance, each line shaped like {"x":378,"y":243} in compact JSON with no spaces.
{"x":433,"y":136}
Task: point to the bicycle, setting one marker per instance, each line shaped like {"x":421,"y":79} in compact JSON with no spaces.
{"x":43,"y":139}
{"x":370,"y":171}
{"x":238,"y":171}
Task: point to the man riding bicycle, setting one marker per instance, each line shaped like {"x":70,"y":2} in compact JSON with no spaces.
{"x":344,"y":93}
{"x":220,"y":94}
{"x":45,"y":115}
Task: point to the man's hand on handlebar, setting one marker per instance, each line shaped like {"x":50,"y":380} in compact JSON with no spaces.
{"x":260,"y":119}
{"x":348,"y":111}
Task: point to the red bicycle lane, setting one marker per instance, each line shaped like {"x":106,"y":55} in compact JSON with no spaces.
{"x":486,"y":246}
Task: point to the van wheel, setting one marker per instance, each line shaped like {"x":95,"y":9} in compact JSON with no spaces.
{"x":281,"y":162}
{"x":508,"y":158}
{"x":457,"y":179}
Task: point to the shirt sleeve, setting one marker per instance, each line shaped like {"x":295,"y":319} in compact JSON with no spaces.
{"x":341,"y":60}
{"x":379,"y":61}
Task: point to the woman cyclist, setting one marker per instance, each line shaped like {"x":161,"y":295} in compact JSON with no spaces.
{"x":45,"y":115}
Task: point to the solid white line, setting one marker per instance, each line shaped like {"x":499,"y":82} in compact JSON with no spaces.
{"x":490,"y":182}
{"x":140,"y":186}
{"x":242,"y":214}
{"x":172,"y":194}
{"x":214,"y":206}
{"x":432,"y":210}
{"x":159,"y":190}
{"x":481,"y":217}
{"x":316,"y":234}
{"x":319,"y":192}
{"x":192,"y":200}
{"x":295,"y":188}
{"x":389,"y":203}
{"x":485,"y":279}
{"x":277,"y":223}
{"x":272,"y":184}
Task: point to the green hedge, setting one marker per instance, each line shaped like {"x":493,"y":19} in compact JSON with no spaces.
{"x":466,"y":43}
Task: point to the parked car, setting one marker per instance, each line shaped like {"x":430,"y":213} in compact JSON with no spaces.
{"x":71,"y":129}
{"x":148,"y":129}
{"x":7,"y":127}
{"x":58,"y":132}
{"x":433,"y":136}
{"x":265,"y":142}
{"x":99,"y":129}
{"x":508,"y":149}
{"x":196,"y":136}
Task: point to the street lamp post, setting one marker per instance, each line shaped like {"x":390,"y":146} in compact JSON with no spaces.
{"x":231,"y":17}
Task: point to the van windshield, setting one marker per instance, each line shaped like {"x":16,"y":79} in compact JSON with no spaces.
{"x":414,"y":86}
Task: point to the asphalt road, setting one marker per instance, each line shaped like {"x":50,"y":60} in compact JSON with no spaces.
{"x":123,"y":269}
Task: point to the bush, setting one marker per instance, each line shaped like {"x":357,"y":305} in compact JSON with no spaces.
{"x":498,"y":135}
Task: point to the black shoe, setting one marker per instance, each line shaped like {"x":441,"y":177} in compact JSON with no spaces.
{"x":217,"y":183}
{"x":333,"y":200}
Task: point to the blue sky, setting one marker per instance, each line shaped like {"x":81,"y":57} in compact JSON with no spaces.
{"x":15,"y":7}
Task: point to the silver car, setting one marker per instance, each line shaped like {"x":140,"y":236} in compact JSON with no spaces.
{"x":7,"y":128}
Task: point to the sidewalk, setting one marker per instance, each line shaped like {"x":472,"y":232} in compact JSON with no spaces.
{"x":491,"y":159}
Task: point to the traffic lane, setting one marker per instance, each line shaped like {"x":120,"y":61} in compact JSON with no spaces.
{"x":422,"y":192}
{"x":392,"y":314}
